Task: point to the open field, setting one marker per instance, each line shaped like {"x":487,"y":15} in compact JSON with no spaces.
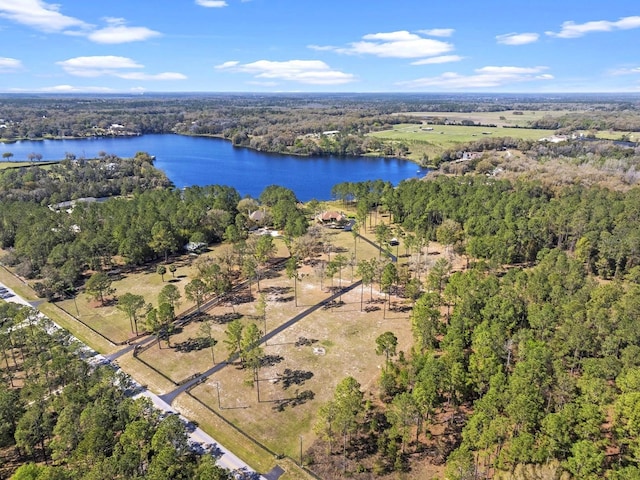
{"x":113,"y":323}
{"x":507,"y":118}
{"x":439,"y":138}
{"x":431,"y":140}
{"x":449,"y":135}
{"x":298,"y":376}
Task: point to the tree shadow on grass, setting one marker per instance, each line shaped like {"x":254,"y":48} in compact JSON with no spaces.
{"x":193,"y":344}
{"x":276,"y":290}
{"x":293,"y":377}
{"x":270,"y":360}
{"x":226,"y":317}
{"x":240,"y":298}
{"x":305,"y":342}
{"x":299,"y":399}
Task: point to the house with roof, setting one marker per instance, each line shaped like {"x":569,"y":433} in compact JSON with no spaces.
{"x":259,"y":217}
{"x":331,"y":217}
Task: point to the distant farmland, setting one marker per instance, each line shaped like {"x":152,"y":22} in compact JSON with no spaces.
{"x":432,"y":140}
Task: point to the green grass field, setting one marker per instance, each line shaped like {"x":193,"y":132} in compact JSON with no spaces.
{"x":433,"y":140}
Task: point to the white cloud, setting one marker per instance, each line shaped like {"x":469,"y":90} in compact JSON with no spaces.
{"x":312,"y":72}
{"x":97,"y":66}
{"x":9,"y":65}
{"x":323,"y":48}
{"x":574,"y":30}
{"x":485,"y":77}
{"x":39,"y":15}
{"x":118,"y":32}
{"x":438,"y":60}
{"x":517,"y":38}
{"x":211,"y":3}
{"x":46,"y":17}
{"x":114,"y":66}
{"x":625,"y":71}
{"x":438,"y":32}
{"x":229,"y":64}
{"x":147,"y":76}
{"x":400,"y":44}
{"x":72,"y":89}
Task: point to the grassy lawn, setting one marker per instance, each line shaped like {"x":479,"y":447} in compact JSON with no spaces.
{"x":258,"y":458}
{"x":342,"y":343}
{"x":447,"y":136}
{"x":114,"y":324}
{"x":432,"y":143}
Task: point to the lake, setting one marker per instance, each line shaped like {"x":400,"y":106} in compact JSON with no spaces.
{"x":203,"y":161}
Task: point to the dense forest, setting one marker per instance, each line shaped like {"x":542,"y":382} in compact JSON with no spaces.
{"x":74,"y":178}
{"x":530,"y":357}
{"x":65,"y":419}
{"x":534,"y":373}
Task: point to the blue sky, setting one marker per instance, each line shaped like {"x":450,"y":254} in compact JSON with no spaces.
{"x":129,"y":46}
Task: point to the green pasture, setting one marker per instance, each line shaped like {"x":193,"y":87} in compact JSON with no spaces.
{"x":449,"y":135}
{"x":432,"y":140}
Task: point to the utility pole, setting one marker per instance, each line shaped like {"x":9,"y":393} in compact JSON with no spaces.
{"x":218,"y":390}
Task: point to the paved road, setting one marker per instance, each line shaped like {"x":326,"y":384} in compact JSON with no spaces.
{"x":393,"y":258}
{"x":224,"y":457}
{"x":10,"y":296}
{"x":163,"y":402}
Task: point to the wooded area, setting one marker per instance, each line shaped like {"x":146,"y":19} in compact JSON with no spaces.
{"x":67,"y":419}
{"x":526,"y":362}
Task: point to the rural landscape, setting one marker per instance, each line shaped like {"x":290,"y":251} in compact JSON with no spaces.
{"x":481,"y":321}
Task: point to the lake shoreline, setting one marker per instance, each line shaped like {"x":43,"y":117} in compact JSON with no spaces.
{"x":189,"y":160}
{"x":220,"y":137}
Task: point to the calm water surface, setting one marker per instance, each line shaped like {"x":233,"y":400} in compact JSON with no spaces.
{"x":202,"y":161}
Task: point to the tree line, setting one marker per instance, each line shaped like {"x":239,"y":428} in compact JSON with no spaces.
{"x":291,"y":124}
